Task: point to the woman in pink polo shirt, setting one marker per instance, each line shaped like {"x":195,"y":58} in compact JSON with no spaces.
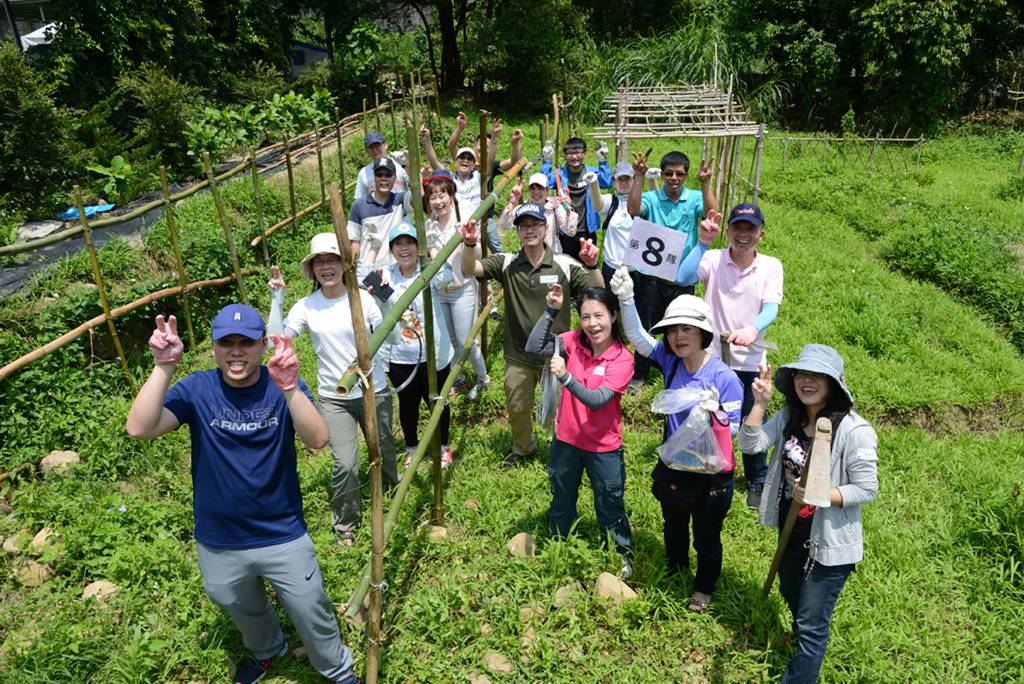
{"x":594,"y":367}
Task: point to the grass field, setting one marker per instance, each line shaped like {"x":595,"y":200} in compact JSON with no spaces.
{"x":933,"y":360}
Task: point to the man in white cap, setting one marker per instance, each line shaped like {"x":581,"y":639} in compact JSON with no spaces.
{"x":377,"y":148}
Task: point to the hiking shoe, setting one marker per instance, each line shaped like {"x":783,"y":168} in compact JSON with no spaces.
{"x":512,"y":460}
{"x":754,"y":495}
{"x":494,"y":315}
{"x":446,"y":456}
{"x":409,"y":451}
{"x":635,"y":385}
{"x":478,"y":389}
{"x":627,"y":570}
{"x":460,"y":385}
{"x":351,"y":679}
{"x":252,"y":670}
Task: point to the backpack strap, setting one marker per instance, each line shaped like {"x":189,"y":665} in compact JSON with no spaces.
{"x":611,"y":212}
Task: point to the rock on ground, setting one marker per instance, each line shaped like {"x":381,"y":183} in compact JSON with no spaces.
{"x":437,"y":534}
{"x":17,"y":541}
{"x":496,"y":662}
{"x":521,"y":545}
{"x":44,"y":539}
{"x":33,"y":574}
{"x":610,"y":587}
{"x":58,"y":462}
{"x":100,"y":590}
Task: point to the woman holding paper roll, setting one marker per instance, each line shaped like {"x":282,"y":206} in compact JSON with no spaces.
{"x":704,"y":498}
{"x":826,"y":542}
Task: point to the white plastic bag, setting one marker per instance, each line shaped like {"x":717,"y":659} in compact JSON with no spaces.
{"x":693,"y":447}
{"x":550,"y":390}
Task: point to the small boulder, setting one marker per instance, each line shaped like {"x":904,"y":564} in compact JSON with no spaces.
{"x":529,"y":638}
{"x":566,"y":595}
{"x":5,"y":507}
{"x":475,"y":677}
{"x":33,"y":230}
{"x":471,"y":504}
{"x":44,"y":539}
{"x":17,"y":542}
{"x":521,"y":545}
{"x":437,"y":534}
{"x":529,"y":612}
{"x":496,"y":662}
{"x":33,"y":574}
{"x":58,"y":462}
{"x":299,"y":653}
{"x":610,"y":587}
{"x":100,"y":590}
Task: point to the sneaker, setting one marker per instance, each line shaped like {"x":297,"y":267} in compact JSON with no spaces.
{"x":494,"y":315}
{"x":460,"y":385}
{"x":446,"y":456}
{"x":635,"y":385}
{"x":754,"y":496}
{"x":512,"y":460}
{"x":252,"y":670}
{"x":351,"y":679}
{"x":478,"y":389}
{"x":409,"y":451}
{"x":627,"y":570}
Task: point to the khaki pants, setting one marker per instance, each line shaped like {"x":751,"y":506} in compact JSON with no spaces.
{"x":520,"y":383}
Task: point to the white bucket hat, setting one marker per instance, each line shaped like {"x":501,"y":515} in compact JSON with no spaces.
{"x":322,"y":243}
{"x":686,"y":310}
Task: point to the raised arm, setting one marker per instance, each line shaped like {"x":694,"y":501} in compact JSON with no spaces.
{"x":596,"y":199}
{"x":283,"y":367}
{"x":148,"y":418}
{"x":708,"y":230}
{"x":492,"y":145}
{"x":635,"y":204}
{"x":470,"y":264}
{"x":706,"y":191}
{"x":428,"y":148}
{"x":622,"y":287}
{"x":453,"y":140}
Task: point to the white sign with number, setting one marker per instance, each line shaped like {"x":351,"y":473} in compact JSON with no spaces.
{"x":654,"y":250}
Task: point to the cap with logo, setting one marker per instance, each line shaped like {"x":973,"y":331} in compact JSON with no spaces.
{"x":238,"y":319}
{"x":751,"y":213}
{"x":528,"y":210}
{"x":384,"y":164}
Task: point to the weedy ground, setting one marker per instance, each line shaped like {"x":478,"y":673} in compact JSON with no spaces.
{"x":913,"y":275}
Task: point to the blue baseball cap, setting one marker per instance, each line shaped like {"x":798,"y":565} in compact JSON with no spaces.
{"x":373,"y":138}
{"x":748,"y":212}
{"x":403,"y":228}
{"x":385,"y":164}
{"x":531,"y":209}
{"x":238,"y":319}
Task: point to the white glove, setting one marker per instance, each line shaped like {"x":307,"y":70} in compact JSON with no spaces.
{"x":444,"y":277}
{"x":401,"y":157}
{"x":653,"y":174}
{"x":590,"y":177}
{"x":622,"y":284}
{"x":602,"y":152}
{"x":547,"y":152}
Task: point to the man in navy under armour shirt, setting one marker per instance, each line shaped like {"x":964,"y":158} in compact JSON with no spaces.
{"x":243,"y":418}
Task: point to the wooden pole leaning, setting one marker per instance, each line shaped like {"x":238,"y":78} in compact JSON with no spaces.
{"x":101,"y":289}
{"x":348,"y":379}
{"x":341,"y":151}
{"x":366,"y":131}
{"x":556,"y":144}
{"x":259,"y":203}
{"x":428,"y":305}
{"x":394,"y":124}
{"x":376,"y":109}
{"x":226,"y":226}
{"x":484,"y":169}
{"x":758,"y":153}
{"x":172,"y":228}
{"x":291,"y":185}
{"x":365,"y":362}
{"x":821,"y":448}
{"x":320,"y":163}
{"x":355,"y":601}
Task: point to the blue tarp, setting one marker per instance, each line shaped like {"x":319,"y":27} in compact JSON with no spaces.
{"x":90,"y":211}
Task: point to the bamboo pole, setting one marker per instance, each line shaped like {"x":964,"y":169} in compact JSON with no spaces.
{"x":372,"y":434}
{"x":759,"y":151}
{"x":291,"y":186}
{"x":77,"y":332}
{"x":258,"y":200}
{"x":365,"y":129}
{"x":484,"y":168}
{"x":398,"y":498}
{"x":226,"y":226}
{"x":421,"y":281}
{"x":437,"y":102}
{"x":320,"y":164}
{"x":179,"y":262}
{"x":376,"y":110}
{"x":554,"y":105}
{"x":101,"y":289}
{"x":394,"y":125}
{"x":341,"y":150}
{"x":288,"y":220}
{"x":428,"y":307}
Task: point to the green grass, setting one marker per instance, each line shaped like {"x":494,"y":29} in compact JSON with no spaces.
{"x":937,"y":597}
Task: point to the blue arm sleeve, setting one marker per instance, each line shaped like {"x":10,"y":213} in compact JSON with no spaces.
{"x":635,"y":333}
{"x":769,"y":310}
{"x":604,"y":175}
{"x":687,"y":274}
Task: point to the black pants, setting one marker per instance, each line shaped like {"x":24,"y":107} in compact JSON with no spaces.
{"x":652,"y":295}
{"x":410,"y":397}
{"x":705,"y":499}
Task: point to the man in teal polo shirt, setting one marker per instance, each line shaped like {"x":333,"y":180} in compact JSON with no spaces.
{"x":674,"y":206}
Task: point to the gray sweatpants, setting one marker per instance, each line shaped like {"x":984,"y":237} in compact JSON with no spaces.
{"x":343,"y":416}
{"x":231,"y":578}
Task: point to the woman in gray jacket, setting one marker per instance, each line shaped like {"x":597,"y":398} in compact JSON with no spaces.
{"x":826,"y":543}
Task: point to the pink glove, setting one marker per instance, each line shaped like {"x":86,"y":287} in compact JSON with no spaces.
{"x":165,"y":343}
{"x":283,"y":366}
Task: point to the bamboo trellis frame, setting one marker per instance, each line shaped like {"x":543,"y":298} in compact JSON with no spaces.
{"x":873,"y":152}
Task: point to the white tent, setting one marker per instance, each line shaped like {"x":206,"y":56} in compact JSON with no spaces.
{"x":41,"y":36}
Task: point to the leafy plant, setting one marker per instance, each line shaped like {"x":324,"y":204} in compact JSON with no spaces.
{"x":118,"y":175}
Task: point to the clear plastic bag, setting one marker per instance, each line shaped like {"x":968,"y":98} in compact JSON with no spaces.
{"x":697,"y":445}
{"x":550,"y":391}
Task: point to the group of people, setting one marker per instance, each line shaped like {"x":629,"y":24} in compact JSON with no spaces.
{"x":243,"y":416}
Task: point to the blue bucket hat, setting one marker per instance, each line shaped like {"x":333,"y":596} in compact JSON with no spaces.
{"x":238,"y":319}
{"x":814,"y":358}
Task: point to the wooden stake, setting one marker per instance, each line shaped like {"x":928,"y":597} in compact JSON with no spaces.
{"x":437,"y":102}
{"x":226,"y":226}
{"x":485,"y":149}
{"x":554,"y":105}
{"x":821,"y":448}
{"x":291,"y":186}
{"x":172,"y":228}
{"x":365,"y":129}
{"x":758,"y":152}
{"x":320,"y":163}
{"x":372,"y":434}
{"x":376,"y":110}
{"x":394,"y":126}
{"x":428,"y":305}
{"x":259,"y":204}
{"x":101,"y":289}
{"x":341,"y":151}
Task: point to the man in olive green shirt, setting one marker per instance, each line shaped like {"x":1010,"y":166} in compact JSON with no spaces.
{"x":526,"y":278}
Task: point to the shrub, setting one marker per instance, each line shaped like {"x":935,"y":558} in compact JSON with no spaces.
{"x":38,"y":153}
{"x":164,"y":104}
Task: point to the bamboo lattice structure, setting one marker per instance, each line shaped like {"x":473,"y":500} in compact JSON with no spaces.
{"x":702,"y":111}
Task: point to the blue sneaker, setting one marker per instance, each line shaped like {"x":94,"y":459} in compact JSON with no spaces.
{"x":351,"y":679}
{"x":253,"y":670}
